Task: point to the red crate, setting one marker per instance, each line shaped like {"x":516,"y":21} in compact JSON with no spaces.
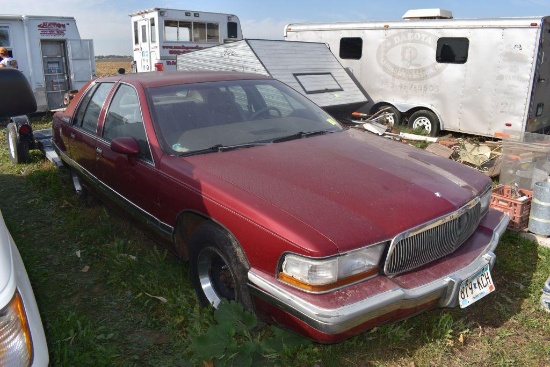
{"x":518,"y":210}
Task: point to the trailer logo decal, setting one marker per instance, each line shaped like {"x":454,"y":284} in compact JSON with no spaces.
{"x":401,"y":56}
{"x":180,"y":50}
{"x":52,"y":29}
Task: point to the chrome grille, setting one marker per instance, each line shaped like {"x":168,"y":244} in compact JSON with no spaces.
{"x":432,"y":241}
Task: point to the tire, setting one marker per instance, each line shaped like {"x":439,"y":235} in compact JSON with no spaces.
{"x":19,"y":150}
{"x":218,"y":267}
{"x":394,"y":117}
{"x":425,"y":120}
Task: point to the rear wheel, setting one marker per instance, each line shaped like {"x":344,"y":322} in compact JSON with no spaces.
{"x":19,"y":150}
{"x":425,"y":120}
{"x":218,"y":267}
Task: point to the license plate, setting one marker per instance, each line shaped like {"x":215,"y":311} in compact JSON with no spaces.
{"x":476,"y":287}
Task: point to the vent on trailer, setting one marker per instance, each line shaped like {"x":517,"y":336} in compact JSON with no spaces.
{"x":428,"y":14}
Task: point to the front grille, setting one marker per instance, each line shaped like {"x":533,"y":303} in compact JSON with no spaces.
{"x":432,"y":241}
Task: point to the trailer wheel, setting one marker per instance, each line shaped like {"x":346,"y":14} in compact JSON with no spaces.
{"x":19,"y":150}
{"x":393,"y":115}
{"x":425,"y":120}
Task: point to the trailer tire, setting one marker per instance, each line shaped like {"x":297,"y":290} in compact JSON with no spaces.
{"x":425,"y":120}
{"x":19,"y":150}
{"x":394,"y":115}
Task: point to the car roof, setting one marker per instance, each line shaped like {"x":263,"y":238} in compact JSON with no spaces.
{"x":160,"y":78}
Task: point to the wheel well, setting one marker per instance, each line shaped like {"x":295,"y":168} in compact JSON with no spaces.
{"x":186,"y":224}
{"x":379,"y":105}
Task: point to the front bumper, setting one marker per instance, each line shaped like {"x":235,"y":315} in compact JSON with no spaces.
{"x":344,"y":312}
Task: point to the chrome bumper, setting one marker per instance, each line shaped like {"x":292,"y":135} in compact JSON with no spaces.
{"x":338,"y":320}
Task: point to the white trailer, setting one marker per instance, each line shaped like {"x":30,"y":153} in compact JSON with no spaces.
{"x":50,"y":53}
{"x":310,"y":68}
{"x":160,"y":34}
{"x":478,"y":76}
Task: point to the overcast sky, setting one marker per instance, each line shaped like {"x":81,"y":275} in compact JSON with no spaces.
{"x":108,"y":24}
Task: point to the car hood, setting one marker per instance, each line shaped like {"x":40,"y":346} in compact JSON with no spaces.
{"x":7,"y":283}
{"x":346,"y":186}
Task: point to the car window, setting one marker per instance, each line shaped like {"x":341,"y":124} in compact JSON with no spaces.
{"x":124,"y":119}
{"x":88,"y":112}
{"x":232,"y":113}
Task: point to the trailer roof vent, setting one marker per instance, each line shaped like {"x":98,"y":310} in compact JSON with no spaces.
{"x":428,"y":14}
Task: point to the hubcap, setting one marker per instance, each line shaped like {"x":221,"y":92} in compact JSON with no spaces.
{"x":422,"y":123}
{"x":215,"y":276}
{"x":11,"y":145}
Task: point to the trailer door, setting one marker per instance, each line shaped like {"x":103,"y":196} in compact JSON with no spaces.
{"x":81,"y":62}
{"x":538,"y":119}
{"x":54,"y":63}
{"x":144,"y":62}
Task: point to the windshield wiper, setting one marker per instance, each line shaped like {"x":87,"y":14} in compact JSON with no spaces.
{"x":221,"y":148}
{"x":300,"y":135}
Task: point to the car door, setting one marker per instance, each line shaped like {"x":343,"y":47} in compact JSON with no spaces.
{"x":81,"y":137}
{"x":131,"y":182}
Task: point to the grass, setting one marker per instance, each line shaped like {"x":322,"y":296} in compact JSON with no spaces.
{"x":109,"y":296}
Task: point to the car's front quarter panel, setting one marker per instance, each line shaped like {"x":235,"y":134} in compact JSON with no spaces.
{"x":14,"y":279}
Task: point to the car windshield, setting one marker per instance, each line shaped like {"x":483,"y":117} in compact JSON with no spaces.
{"x":216,"y":116}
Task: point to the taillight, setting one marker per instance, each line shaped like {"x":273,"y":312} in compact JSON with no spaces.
{"x":159,"y":66}
{"x":24,"y":129}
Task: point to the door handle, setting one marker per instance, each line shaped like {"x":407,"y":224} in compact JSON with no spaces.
{"x":98,"y":152}
{"x":72,"y":135}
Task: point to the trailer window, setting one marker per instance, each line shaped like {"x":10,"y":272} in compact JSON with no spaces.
{"x":4,"y":36}
{"x":452,"y":50}
{"x":232,"y":30}
{"x":318,"y":82}
{"x":143,"y":33}
{"x":212,"y":32}
{"x":351,"y":48}
{"x":199,"y":32}
{"x":136,"y":35}
{"x":153,"y":31}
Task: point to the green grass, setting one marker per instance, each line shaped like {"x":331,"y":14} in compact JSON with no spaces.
{"x":109,"y":296}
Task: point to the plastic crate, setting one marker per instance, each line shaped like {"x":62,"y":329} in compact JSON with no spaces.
{"x":518,"y":210}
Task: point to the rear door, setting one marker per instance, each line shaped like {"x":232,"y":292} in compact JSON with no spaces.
{"x":539,"y":109}
{"x":82,"y":136}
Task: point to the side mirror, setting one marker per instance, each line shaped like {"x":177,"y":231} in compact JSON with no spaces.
{"x":16,"y":95}
{"x":126,"y":146}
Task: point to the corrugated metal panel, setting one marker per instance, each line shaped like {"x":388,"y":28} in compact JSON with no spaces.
{"x":235,"y":56}
{"x":285,"y":59}
{"x":282,"y":60}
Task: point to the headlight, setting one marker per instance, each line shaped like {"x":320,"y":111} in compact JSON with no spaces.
{"x":321,"y":275}
{"x":15,"y":336}
{"x":485,"y":200}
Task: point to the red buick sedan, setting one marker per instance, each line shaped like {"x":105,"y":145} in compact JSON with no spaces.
{"x":325,"y":230}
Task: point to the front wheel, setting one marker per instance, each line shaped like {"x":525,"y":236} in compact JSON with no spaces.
{"x":218,"y":266}
{"x":392,"y":114}
{"x":425,"y":120}
{"x":19,"y":150}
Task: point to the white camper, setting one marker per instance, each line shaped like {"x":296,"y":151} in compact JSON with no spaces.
{"x":160,"y":34}
{"x":310,"y":68}
{"x":50,"y":53}
{"x":478,"y":76}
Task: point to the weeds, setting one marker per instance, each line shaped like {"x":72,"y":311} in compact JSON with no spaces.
{"x":109,"y":296}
